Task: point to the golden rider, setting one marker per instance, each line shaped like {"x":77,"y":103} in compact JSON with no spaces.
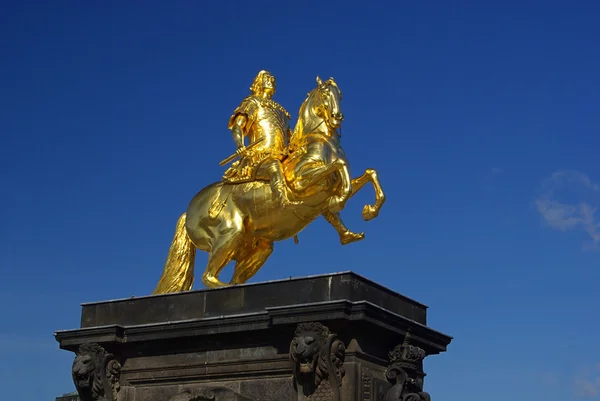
{"x":259,"y":116}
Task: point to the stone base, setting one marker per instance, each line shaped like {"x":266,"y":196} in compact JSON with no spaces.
{"x":336,"y":336}
{"x":68,"y":397}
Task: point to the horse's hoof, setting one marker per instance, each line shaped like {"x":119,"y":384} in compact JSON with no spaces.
{"x":368,"y":213}
{"x":212,"y":282}
{"x":348,"y":237}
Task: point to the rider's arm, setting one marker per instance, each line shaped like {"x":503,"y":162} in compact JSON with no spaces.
{"x":237,"y":130}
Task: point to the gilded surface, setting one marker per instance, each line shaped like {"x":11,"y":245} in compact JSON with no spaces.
{"x":282,"y":182}
{"x":265,"y":123}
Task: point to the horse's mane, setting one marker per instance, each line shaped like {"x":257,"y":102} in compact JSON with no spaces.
{"x":300,"y":122}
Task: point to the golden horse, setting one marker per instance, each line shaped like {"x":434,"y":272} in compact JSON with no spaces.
{"x":240,"y":222}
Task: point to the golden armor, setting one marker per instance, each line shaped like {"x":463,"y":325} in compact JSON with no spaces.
{"x":282,"y":182}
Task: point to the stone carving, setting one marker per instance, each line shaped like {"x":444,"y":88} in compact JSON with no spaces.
{"x":317,"y":358}
{"x":367,"y":384}
{"x":96,"y":373}
{"x":373,"y":388}
{"x":406,"y":374}
{"x":209,"y":394}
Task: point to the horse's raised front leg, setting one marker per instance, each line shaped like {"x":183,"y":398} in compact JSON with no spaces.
{"x":346,"y":236}
{"x":337,"y":202}
{"x":369,"y":211}
{"x":315,"y":175}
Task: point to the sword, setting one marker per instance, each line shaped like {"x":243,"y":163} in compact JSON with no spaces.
{"x":241,"y":151}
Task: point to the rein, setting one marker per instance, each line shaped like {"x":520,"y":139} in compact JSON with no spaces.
{"x":323,"y":120}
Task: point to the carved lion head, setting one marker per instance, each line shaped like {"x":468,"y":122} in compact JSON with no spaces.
{"x":89,"y":357}
{"x":309,"y":341}
{"x":96,"y":373}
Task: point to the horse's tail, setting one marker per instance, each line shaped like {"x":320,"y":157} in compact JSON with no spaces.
{"x":178,"y":274}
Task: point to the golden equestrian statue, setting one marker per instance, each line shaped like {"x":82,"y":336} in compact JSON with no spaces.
{"x":282,"y":182}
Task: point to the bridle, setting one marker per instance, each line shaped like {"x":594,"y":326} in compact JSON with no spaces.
{"x":324,"y":110}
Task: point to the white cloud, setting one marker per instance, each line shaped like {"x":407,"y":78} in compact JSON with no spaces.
{"x":588,"y":384}
{"x":570,"y":200}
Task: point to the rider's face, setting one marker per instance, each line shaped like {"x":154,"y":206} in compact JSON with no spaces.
{"x":268,"y":84}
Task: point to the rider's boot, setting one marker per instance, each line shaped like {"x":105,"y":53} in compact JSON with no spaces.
{"x":279,"y":186}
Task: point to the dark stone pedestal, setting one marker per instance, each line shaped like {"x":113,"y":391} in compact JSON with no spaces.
{"x":329,"y":337}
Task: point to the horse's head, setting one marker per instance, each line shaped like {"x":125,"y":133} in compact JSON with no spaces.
{"x":327,"y":103}
{"x":321,"y":111}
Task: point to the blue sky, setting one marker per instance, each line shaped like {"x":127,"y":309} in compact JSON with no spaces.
{"x":481,"y":118}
